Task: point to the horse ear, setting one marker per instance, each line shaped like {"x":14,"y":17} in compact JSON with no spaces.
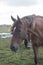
{"x":18,"y":19}
{"x":14,"y":20}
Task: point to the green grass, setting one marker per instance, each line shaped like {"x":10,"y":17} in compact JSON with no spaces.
{"x":21,"y":57}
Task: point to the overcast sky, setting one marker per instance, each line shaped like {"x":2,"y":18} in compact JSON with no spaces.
{"x":19,"y":7}
{"x":19,"y":2}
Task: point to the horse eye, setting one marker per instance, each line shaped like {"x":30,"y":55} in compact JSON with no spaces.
{"x":19,"y":30}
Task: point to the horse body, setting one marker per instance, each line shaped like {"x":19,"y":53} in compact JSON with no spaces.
{"x":29,"y":27}
{"x":38,"y":28}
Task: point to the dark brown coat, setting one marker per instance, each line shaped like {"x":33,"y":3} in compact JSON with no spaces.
{"x":28,"y":27}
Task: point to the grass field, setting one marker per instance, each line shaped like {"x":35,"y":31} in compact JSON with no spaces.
{"x":21,"y":57}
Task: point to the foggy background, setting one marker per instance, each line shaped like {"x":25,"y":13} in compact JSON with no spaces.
{"x":19,"y":7}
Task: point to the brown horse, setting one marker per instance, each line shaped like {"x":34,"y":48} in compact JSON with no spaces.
{"x":26,"y":43}
{"x":26,"y":28}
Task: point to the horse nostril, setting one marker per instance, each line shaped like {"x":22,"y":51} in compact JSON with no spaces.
{"x":13,"y":48}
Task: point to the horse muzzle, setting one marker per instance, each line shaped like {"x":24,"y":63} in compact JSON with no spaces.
{"x":14,"y":48}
